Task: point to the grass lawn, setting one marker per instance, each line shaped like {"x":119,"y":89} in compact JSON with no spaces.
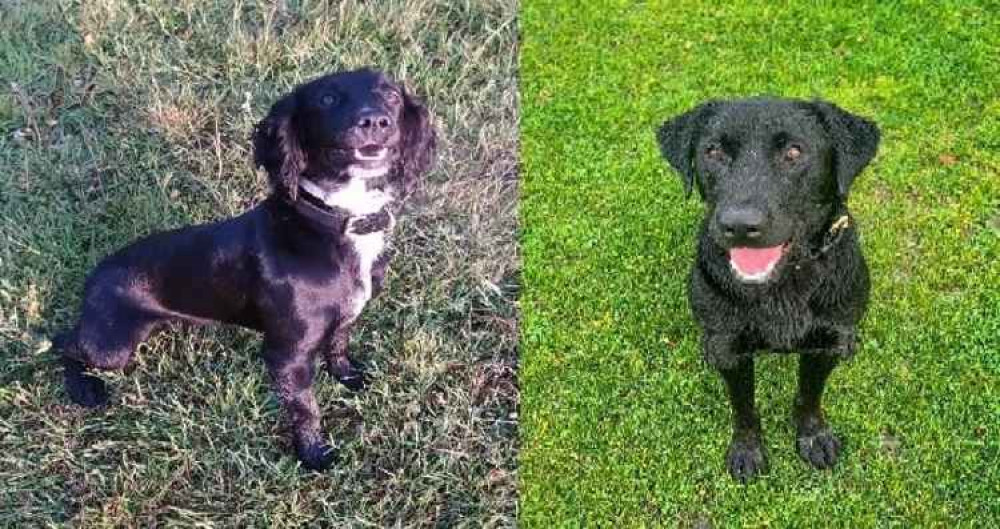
{"x":621,"y":419}
{"x":118,"y":118}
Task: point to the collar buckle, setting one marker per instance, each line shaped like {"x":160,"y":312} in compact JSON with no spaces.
{"x":832,"y":236}
{"x":839,"y":224}
{"x":381,"y":220}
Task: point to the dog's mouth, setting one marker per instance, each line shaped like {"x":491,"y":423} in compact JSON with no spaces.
{"x":371,"y":153}
{"x":756,"y":265}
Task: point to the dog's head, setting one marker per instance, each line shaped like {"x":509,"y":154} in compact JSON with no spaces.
{"x":772,"y":172}
{"x":349,"y":125}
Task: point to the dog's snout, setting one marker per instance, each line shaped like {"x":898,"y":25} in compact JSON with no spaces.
{"x":374,"y":120}
{"x":742,"y":223}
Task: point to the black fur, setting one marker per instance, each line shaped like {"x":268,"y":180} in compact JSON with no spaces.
{"x":782,"y":169}
{"x":285,"y":268}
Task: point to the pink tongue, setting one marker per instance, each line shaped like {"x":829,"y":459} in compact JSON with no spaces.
{"x":753,"y":261}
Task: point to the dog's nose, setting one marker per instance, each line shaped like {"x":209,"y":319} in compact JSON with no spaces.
{"x":374,"y":120}
{"x":741,"y":223}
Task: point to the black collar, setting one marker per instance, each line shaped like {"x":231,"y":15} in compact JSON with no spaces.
{"x":832,"y":236}
{"x":313,"y":207}
{"x":318,"y":203}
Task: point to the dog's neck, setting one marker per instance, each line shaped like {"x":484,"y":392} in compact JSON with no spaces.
{"x":359,"y":196}
{"x":838,"y":226}
{"x":359,"y":206}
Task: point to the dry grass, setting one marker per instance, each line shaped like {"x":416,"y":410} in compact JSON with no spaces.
{"x":120,"y":118}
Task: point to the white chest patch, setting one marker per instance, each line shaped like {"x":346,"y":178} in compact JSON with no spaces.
{"x":359,"y":201}
{"x":368,"y":247}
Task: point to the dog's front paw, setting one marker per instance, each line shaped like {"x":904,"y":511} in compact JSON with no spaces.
{"x":821,"y":448}
{"x":315,"y":455}
{"x":353,"y":375}
{"x":84,"y":389}
{"x":745,"y":459}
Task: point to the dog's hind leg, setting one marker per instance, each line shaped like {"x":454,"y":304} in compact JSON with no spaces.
{"x":815,"y":441}
{"x":103,"y":339}
{"x":83,"y":388}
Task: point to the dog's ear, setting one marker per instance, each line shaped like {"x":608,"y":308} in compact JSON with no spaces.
{"x":419,"y":141}
{"x":678,"y":139}
{"x":855,"y":142}
{"x":276,"y":148}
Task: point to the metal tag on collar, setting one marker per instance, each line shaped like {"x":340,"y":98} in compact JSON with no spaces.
{"x":381,"y":220}
{"x":839,"y":224}
{"x":831,"y":237}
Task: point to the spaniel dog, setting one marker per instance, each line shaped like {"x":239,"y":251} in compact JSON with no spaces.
{"x":341,"y":152}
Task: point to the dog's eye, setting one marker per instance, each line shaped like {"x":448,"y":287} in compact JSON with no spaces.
{"x":328,"y":100}
{"x":793,"y":152}
{"x":392,"y":97}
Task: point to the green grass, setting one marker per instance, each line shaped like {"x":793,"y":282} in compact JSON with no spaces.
{"x":118,"y":118}
{"x":621,"y":419}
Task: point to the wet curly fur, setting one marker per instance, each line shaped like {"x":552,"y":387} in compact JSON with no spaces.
{"x":296,"y":267}
{"x":775,"y":173}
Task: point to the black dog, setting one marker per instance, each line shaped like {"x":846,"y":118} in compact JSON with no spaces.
{"x":341,"y":153}
{"x":778,"y":261}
